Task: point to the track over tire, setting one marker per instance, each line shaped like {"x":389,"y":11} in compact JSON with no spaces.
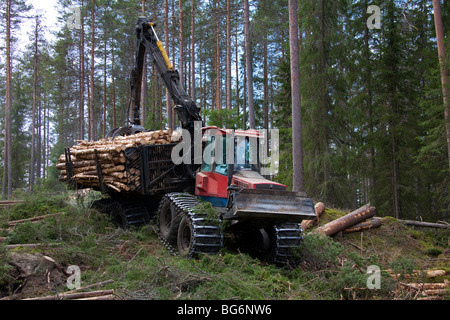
{"x":288,"y":237}
{"x":168,"y":221}
{"x":185,"y":239}
{"x":125,"y":213}
{"x":191,"y":231}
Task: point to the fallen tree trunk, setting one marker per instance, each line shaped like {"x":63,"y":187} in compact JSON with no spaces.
{"x":427,"y":286}
{"x":320,"y":209}
{"x":365,"y":225}
{"x":425,"y":224}
{"x":98,"y":284}
{"x":347,"y":221}
{"x":77,"y":295}
{"x":10,"y":202}
{"x":104,"y":297}
{"x":416,"y":273}
{"x":436,"y":292}
{"x":5,"y":204}
{"x":33,"y":219}
{"x":31,"y":245}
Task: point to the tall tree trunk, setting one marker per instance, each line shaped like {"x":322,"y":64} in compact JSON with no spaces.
{"x":266,"y":85}
{"x":81,"y":79}
{"x":104,"y":87}
{"x":237,"y":69}
{"x":395,"y":174}
{"x":192,"y":67}
{"x":180,"y":37}
{"x":297,"y":147}
{"x":369,"y":107}
{"x":266,"y":91}
{"x":228,"y":62}
{"x":217,"y":82}
{"x":144,"y":91}
{"x":173,"y":31}
{"x":7,"y":170}
{"x":113,"y":83}
{"x":323,"y":95}
{"x":45,"y":146}
{"x":248,"y":66}
{"x":91,"y":124}
{"x":39,"y":142}
{"x":444,"y":70}
{"x":32,"y":175}
{"x":166,"y":41}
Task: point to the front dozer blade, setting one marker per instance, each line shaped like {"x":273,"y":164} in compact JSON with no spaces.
{"x":271,"y":205}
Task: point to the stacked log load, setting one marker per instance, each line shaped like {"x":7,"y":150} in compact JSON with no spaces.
{"x":110,"y":156}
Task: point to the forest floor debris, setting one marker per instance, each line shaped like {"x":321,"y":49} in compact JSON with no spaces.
{"x":133,"y":264}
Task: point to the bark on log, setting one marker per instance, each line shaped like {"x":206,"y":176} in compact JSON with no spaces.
{"x":98,"y":284}
{"x":110,"y":152}
{"x":75,"y":295}
{"x":347,"y":221}
{"x":365,"y":225}
{"x":416,"y":273}
{"x":109,"y":185}
{"x":424,"y":224}
{"x":427,"y":286}
{"x":10,"y":202}
{"x":14,"y":222}
{"x":320,"y":209}
{"x":436,"y":292}
{"x":31,"y":245}
{"x":105,"y":297}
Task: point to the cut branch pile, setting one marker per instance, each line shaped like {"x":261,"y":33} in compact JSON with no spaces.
{"x":423,"y":290}
{"x":109,"y":154}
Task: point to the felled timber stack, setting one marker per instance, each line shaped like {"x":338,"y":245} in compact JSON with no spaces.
{"x":358,"y":220}
{"x":104,"y":160}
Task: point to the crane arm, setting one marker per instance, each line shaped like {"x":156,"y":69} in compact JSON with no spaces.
{"x":147,"y":40}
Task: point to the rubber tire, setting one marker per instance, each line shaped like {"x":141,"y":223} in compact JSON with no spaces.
{"x":185,"y":237}
{"x":168,"y":222}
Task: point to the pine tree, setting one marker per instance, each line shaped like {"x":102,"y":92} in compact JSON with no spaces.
{"x":444,"y":70}
{"x":11,"y":10}
{"x":297,"y":149}
{"x":248,"y":66}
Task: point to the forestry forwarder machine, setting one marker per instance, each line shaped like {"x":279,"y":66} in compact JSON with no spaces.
{"x":262,"y":215}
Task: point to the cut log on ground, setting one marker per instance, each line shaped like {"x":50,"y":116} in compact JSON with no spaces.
{"x":77,"y":295}
{"x":365,"y":225}
{"x":31,"y":245}
{"x":98,"y":284}
{"x":104,"y":297}
{"x":428,"y":286}
{"x":425,"y":224}
{"x":342,"y":223}
{"x":320,"y":209}
{"x":33,"y":219}
{"x":417,"y":273}
{"x":5,"y":204}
